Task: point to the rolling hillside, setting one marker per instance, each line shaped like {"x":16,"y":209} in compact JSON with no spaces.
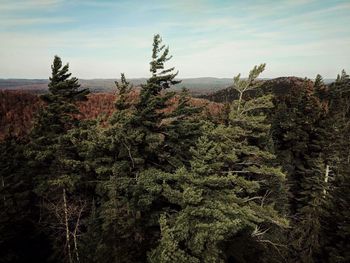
{"x":197,"y":86}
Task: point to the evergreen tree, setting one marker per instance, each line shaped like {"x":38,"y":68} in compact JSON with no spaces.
{"x":162,"y":129}
{"x":224,"y":193}
{"x":111,"y":152}
{"x":300,"y":135}
{"x":158,"y":183}
{"x":337,"y":220}
{"x":155,"y":130}
{"x":58,"y":115}
{"x":55,"y":161}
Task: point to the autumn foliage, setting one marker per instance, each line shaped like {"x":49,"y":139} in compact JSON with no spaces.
{"x":18,"y":108}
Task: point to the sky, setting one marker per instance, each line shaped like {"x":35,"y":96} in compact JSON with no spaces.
{"x":216,"y":38}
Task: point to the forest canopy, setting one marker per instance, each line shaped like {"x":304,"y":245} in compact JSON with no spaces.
{"x":263,"y":175}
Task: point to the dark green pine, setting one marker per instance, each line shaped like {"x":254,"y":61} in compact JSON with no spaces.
{"x":55,"y":161}
{"x":337,"y":221}
{"x":142,"y":133}
{"x":302,"y":145}
{"x":224,"y":193}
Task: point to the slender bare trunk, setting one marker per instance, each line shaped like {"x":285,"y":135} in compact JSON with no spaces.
{"x":3,"y":186}
{"x":239,"y":101}
{"x":67,"y":225}
{"x":326,"y":179}
{"x":75,"y":235}
{"x":76,"y":248}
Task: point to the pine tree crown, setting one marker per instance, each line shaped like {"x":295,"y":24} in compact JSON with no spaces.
{"x":62,"y":86}
{"x":161,"y":78}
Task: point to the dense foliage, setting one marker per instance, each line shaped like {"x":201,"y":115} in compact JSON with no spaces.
{"x":161,"y":179}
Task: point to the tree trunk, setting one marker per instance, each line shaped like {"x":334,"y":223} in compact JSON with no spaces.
{"x":75,"y":235}
{"x":67,"y":225}
{"x":3,"y":186}
{"x":326,"y":179}
{"x":239,"y":101}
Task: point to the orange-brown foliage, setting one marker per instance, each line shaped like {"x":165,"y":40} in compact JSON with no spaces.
{"x":16,"y":112}
{"x":18,"y":108}
{"x":96,"y":105}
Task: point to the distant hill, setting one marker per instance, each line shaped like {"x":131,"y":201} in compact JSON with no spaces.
{"x":197,"y":86}
{"x":278,"y":86}
{"x":215,"y":89}
{"x":18,"y":101}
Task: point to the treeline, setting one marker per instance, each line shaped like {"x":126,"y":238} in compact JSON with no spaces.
{"x":18,"y":109}
{"x":264,"y":180}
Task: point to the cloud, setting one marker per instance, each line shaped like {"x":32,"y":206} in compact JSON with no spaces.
{"x":102,"y":38}
{"x":310,"y":15}
{"x":9,"y":22}
{"x":9,"y":5}
{"x":30,"y":12}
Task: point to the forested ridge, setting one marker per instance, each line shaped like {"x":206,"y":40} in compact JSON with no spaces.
{"x":262,"y":176}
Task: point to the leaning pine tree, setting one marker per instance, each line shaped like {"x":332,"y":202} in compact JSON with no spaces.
{"x":164,"y":129}
{"x":226,"y":193}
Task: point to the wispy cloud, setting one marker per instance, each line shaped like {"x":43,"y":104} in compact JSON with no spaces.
{"x":217,"y":38}
{"x":33,"y":21}
{"x":10,"y":5}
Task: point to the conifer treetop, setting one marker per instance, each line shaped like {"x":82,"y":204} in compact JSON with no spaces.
{"x":244,"y":85}
{"x":123,"y":86}
{"x":318,"y":81}
{"x":161,"y":78}
{"x":342,"y":77}
{"x":62,"y":85}
{"x":123,"y":89}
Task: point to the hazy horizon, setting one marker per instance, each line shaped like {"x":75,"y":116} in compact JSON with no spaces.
{"x":145,"y":78}
{"x":101,"y":39}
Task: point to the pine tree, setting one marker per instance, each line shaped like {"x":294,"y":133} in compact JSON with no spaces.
{"x":140,"y":135}
{"x":58,"y":115}
{"x":162,"y":129}
{"x":300,"y":135}
{"x":111,"y":152}
{"x":337,"y":220}
{"x":224,"y":193}
{"x":182,"y":128}
{"x":55,"y":160}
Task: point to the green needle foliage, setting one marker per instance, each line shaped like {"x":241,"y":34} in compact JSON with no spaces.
{"x":266,"y":179}
{"x":225,"y":191}
{"x":337,"y":220}
{"x":141,"y":134}
{"x":50,"y":144}
{"x":298,"y":120}
{"x":55,"y":162}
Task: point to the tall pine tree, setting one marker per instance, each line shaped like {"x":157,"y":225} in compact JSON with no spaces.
{"x":337,"y":220}
{"x":227,"y":191}
{"x":154,"y":130}
{"x":55,"y":161}
{"x":300,"y":136}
